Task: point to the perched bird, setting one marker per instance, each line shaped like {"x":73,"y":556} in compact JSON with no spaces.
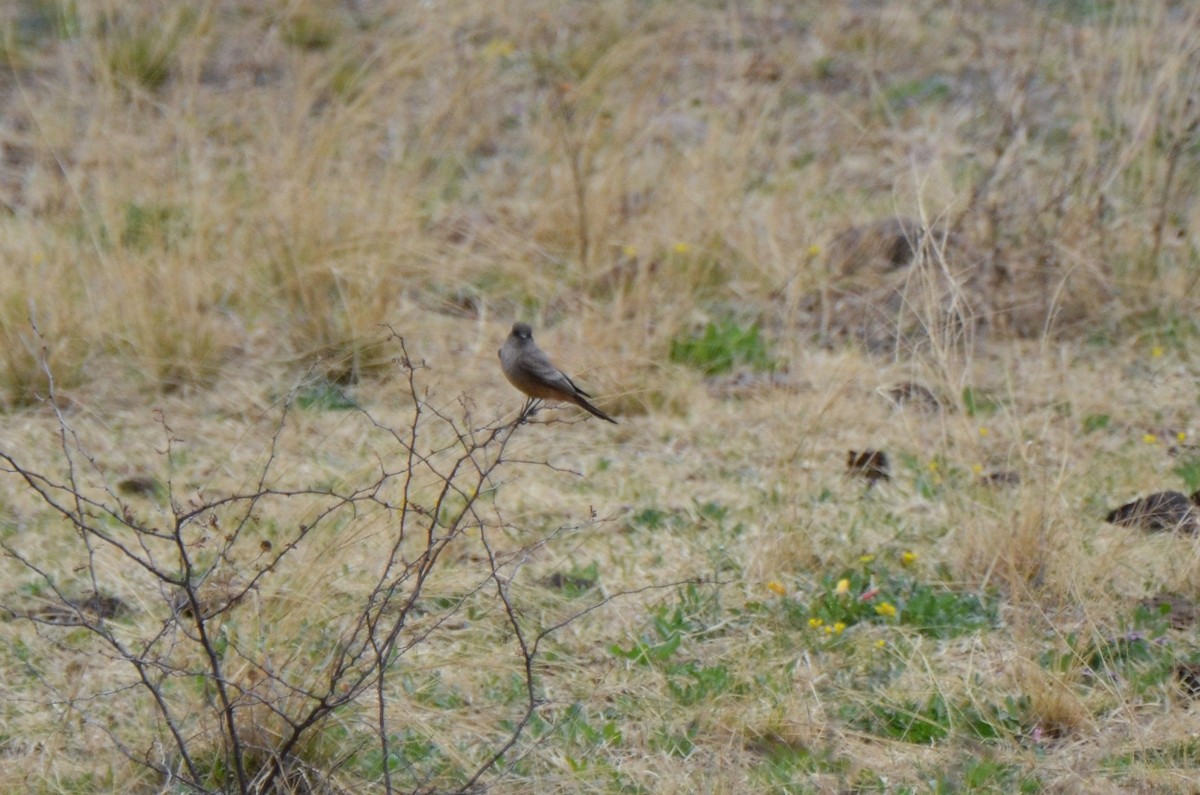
{"x":1163,"y":510}
{"x":528,"y":368}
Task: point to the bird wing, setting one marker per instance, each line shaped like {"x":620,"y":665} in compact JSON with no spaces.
{"x":573,"y":384}
{"x":540,"y":366}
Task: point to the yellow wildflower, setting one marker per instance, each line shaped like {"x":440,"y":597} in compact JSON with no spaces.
{"x":1181,"y":436}
{"x":866,"y":559}
{"x":843,"y":587}
{"x":879,"y":644}
{"x":886,"y":609}
{"x":1156,"y":351}
{"x":983,"y":431}
{"x":814,"y":250}
{"x":839,"y":628}
{"x":908,"y":558}
{"x":777,"y":588}
{"x":1149,"y":438}
{"x":815,"y":622}
{"x":828,"y":630}
{"x":682,"y":248}
{"x":629,"y":251}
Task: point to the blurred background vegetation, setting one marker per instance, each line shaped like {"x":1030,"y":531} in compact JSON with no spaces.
{"x":187,"y":188}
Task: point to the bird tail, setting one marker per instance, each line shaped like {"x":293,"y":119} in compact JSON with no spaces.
{"x":583,"y":404}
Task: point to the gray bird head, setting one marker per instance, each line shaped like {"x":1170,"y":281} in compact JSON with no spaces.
{"x":522,"y":331}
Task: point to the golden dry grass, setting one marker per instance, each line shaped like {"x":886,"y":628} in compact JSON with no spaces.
{"x":201,"y":209}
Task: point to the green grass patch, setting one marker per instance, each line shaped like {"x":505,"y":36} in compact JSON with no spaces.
{"x":722,"y":346}
{"x":936,"y":718}
{"x":324,"y":396}
{"x":922,"y":91}
{"x":1188,"y":469}
{"x":1139,"y":655}
{"x":1177,"y":755}
{"x":980,"y":403}
{"x":987,"y":775}
{"x":872,"y":594}
{"x":789,"y":767}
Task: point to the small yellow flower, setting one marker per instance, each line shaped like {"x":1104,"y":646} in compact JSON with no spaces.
{"x":839,"y":628}
{"x":866,"y":559}
{"x":815,"y":622}
{"x":814,"y":250}
{"x":908,"y":558}
{"x":1181,"y":436}
{"x":879,"y":644}
{"x":776,"y":587}
{"x":977,"y":468}
{"x":629,"y":251}
{"x":1156,"y":351}
{"x":828,"y":630}
{"x":983,"y":431}
{"x":933,"y":466}
{"x":886,"y":609}
{"x":682,"y":248}
{"x":843,"y":587}
{"x":1149,"y":438}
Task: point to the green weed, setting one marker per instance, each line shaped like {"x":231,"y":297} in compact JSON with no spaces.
{"x":1138,"y":655}
{"x":978,"y":402}
{"x":324,"y":396}
{"x":722,"y":346}
{"x":935,"y":719}
{"x":872,"y":594}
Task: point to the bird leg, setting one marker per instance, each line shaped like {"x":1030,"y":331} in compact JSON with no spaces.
{"x":528,"y":410}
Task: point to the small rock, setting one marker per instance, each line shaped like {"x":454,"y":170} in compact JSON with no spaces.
{"x":1188,"y":675}
{"x":998,"y":478}
{"x":910,"y":393}
{"x":564,"y":582}
{"x":1164,"y":510}
{"x":870,"y":464}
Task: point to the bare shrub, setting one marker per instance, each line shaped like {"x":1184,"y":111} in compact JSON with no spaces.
{"x":246,"y":625}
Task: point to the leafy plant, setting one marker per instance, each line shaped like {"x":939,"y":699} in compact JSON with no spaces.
{"x":691,"y":683}
{"x":936,"y":718}
{"x":1139,"y":654}
{"x":670,"y":625}
{"x":722,"y":346}
{"x":1188,"y":469}
{"x":977,"y":402}
{"x":324,"y":396}
{"x":871,"y":593}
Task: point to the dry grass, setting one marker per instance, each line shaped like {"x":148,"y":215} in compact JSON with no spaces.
{"x":201,"y":209}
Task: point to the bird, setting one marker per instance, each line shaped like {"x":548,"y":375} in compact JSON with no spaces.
{"x":1163,"y":510}
{"x":529,"y":369}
